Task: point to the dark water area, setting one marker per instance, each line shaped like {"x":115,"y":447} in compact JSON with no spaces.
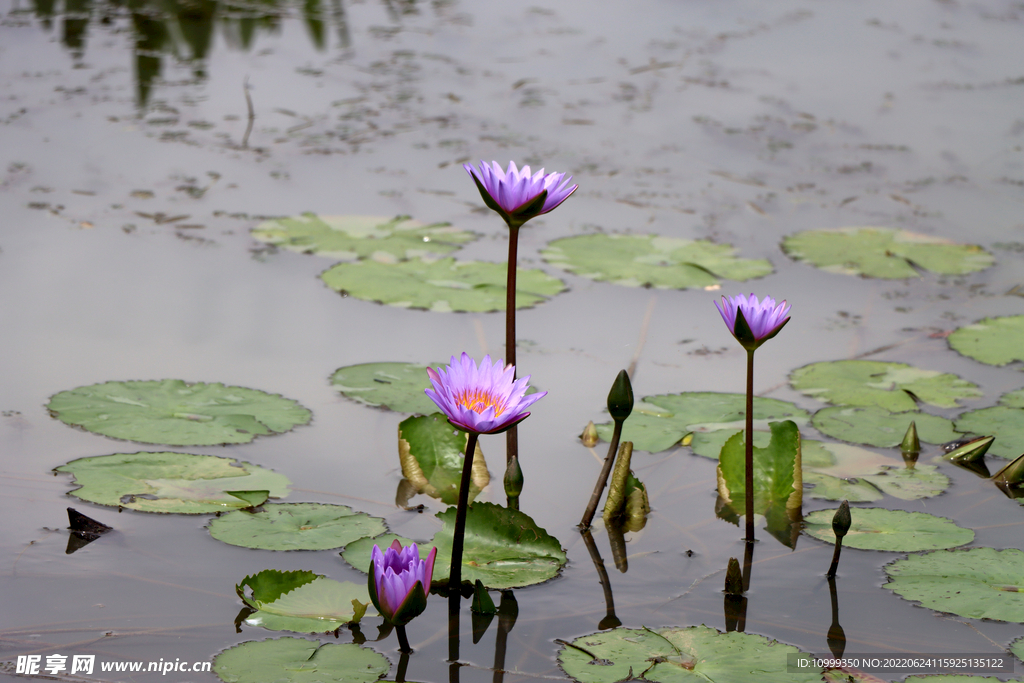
{"x":129,"y":184}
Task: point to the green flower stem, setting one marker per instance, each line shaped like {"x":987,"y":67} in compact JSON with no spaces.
{"x":602,"y":478}
{"x":403,"y":647}
{"x":455,"y":572}
{"x":749,"y":470}
{"x":512,"y":435}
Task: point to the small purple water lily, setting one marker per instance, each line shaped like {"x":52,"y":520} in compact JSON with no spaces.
{"x":516,"y":195}
{"x":399,"y":581}
{"x":481,"y":400}
{"x":753,"y":322}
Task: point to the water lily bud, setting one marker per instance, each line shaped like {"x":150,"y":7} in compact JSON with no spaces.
{"x":589,"y":435}
{"x":399,"y":581}
{"x":911,"y":444}
{"x":620,"y":398}
{"x":513,"y":478}
{"x":841,"y":521}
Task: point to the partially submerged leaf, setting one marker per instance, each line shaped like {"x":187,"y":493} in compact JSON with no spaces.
{"x":778,"y":476}
{"x":878,"y":427}
{"x":252,"y":498}
{"x":297,"y":660}
{"x":170,"y":482}
{"x":318,"y":606}
{"x":892,"y":530}
{"x":296,"y":526}
{"x":652,"y":261}
{"x":393,"y":386}
{"x":923,"y":481}
{"x":432,"y":455}
{"x":442,"y":286}
{"x":176,"y":413}
{"x":994,"y":341}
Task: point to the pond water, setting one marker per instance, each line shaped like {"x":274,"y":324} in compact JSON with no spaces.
{"x":129,"y":184}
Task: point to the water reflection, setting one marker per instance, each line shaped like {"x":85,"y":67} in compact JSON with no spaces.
{"x":184,"y":30}
{"x":610,"y":620}
{"x":836,"y":636}
{"x":737,"y":583}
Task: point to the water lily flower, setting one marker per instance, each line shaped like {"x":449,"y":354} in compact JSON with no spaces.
{"x":481,"y":400}
{"x":516,"y":195}
{"x":753,"y":322}
{"x":399,"y":581}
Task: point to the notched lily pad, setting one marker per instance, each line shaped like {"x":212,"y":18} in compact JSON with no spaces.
{"x":1004,"y":421}
{"x":444,"y":285}
{"x":170,"y":482}
{"x":302,"y":601}
{"x":675,"y":655}
{"x":348,"y":238}
{"x":896,"y":387}
{"x":652,"y":261}
{"x":993,"y":341}
{"x":393,"y":386}
{"x":297,"y":660}
{"x":176,"y":413}
{"x":979,"y":583}
{"x":432,"y":455}
{"x":296,"y":526}
{"x":884,"y":253}
{"x":874,"y":426}
{"x":892,"y":530}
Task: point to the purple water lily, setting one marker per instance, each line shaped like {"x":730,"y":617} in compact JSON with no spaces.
{"x":517,"y":195}
{"x":399,"y":581}
{"x":753,"y":322}
{"x":482,"y":400}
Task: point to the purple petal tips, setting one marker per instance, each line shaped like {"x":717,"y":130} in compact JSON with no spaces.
{"x":753,"y":322}
{"x":515,"y":194}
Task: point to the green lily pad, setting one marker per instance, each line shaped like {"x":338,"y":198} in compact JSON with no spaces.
{"x":170,"y":482}
{"x":652,"y":261}
{"x":444,"y":285}
{"x":828,"y":487}
{"x":778,"y":475}
{"x":884,"y":253}
{"x":1005,"y":422}
{"x":1017,"y":648}
{"x":297,"y":660}
{"x":348,"y":238}
{"x":660,"y":422}
{"x":676,"y":655}
{"x":994,"y":341}
{"x":296,"y":526}
{"x":176,"y":413}
{"x":432,"y":454}
{"x":393,"y":386}
{"x":978,"y":583}
{"x":873,"y":426}
{"x":892,"y":530}
{"x":923,"y":481}
{"x":896,"y":387}
{"x":302,"y":601}
{"x":862,"y":476}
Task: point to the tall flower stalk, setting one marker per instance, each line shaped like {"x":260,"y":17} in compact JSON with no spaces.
{"x":484,"y":399}
{"x":517,"y":196}
{"x":753,"y":323}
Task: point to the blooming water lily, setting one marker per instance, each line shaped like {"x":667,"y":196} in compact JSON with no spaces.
{"x":517,"y":195}
{"x":753,"y":322}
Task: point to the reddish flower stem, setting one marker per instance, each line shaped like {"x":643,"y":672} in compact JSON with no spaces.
{"x":749,"y":465}
{"x":512,"y":435}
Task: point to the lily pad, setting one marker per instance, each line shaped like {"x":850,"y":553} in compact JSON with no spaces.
{"x":432,"y":454}
{"x":393,"y":386}
{"x":828,"y":487}
{"x":873,"y":426}
{"x":170,"y":482}
{"x":302,"y":601}
{"x":675,"y":655}
{"x":993,"y":341}
{"x":176,"y":413}
{"x":348,"y":238}
{"x":1005,"y":422}
{"x":296,"y":526}
{"x":923,"y":481}
{"x":652,"y":261}
{"x":862,"y":476}
{"x":884,"y":253}
{"x":778,"y":476}
{"x":443,"y":286}
{"x":892,"y":530}
{"x":660,"y":422}
{"x":1017,"y":648}
{"x":297,"y":660}
{"x":979,"y":583}
{"x":896,"y":387}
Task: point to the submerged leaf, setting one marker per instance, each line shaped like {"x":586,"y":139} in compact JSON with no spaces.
{"x":297,"y":660}
{"x":176,"y":413}
{"x":296,"y":526}
{"x":432,"y":455}
{"x":892,"y":530}
{"x":393,"y":386}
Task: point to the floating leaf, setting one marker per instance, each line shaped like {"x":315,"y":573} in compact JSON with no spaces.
{"x":875,"y":426}
{"x":297,"y":660}
{"x":1017,"y":648}
{"x":296,"y":526}
{"x":1005,"y":422}
{"x":862,"y":476}
{"x":170,"y":482}
{"x":994,"y":341}
{"x":348,"y":238}
{"x":778,"y":476}
{"x":676,"y":655}
{"x":923,"y":481}
{"x":251,"y":498}
{"x":896,"y":387}
{"x":892,"y":530}
{"x":176,"y":413}
{"x":652,"y":261}
{"x":660,"y":422}
{"x":302,"y":601}
{"x":394,"y":386}
{"x":432,"y":454}
{"x":445,"y":285}
{"x":884,"y":253}
{"x":828,"y":487}
{"x":979,"y":583}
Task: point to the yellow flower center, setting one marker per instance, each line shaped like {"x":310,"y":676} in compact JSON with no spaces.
{"x":479,"y":401}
